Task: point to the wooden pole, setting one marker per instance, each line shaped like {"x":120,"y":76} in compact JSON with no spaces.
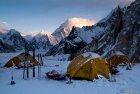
{"x":24,"y":62}
{"x":24,"y":70}
{"x":33,"y":62}
{"x":41,"y":60}
{"x":27,"y":71}
{"x":39,"y":63}
{"x":27,"y":55}
{"x":12,"y":74}
{"x":40,"y":67}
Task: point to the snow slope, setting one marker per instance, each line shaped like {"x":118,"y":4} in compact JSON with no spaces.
{"x":127,"y":81}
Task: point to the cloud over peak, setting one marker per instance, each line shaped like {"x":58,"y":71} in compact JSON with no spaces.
{"x":3,"y":27}
{"x":80,"y":22}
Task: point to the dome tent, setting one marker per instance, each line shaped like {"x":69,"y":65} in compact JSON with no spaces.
{"x":19,"y":59}
{"x":117,"y":59}
{"x":88,"y":66}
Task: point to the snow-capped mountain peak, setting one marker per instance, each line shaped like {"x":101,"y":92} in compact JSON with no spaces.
{"x":65,"y":28}
{"x":14,"y":39}
{"x":41,"y":40}
{"x":42,"y":33}
{"x":13,"y":32}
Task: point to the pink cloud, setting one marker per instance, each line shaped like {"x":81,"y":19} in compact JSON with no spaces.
{"x":80,"y":22}
{"x":3,"y":27}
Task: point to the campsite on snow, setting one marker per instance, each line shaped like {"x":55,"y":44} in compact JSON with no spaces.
{"x":82,"y":56}
{"x":124,"y":82}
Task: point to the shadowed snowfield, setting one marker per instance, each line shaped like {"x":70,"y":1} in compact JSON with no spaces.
{"x":127,"y":81}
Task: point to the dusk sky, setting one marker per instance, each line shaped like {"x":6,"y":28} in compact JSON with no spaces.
{"x":32,"y":16}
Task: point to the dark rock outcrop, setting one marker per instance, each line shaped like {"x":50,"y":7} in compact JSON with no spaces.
{"x":5,"y":47}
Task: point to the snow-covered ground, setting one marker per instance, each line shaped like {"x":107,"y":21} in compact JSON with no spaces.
{"x":127,"y":81}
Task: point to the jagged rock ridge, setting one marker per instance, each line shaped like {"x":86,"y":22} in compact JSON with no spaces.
{"x":119,"y":32}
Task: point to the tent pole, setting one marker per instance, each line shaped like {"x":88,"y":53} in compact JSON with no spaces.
{"x":38,"y":65}
{"x":33,"y":62}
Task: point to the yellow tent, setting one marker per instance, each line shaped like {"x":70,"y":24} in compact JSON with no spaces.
{"x":88,"y":66}
{"x":115,"y":60}
{"x":18,"y":60}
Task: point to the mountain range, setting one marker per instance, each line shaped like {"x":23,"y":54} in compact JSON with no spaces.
{"x":11,"y":41}
{"x":42,"y":41}
{"x":119,"y":32}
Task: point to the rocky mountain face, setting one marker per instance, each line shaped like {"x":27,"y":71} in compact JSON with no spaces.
{"x":11,"y":40}
{"x":64,"y":30}
{"x":128,"y":40}
{"x":4,"y":47}
{"x":118,"y":32}
{"x":123,"y":35}
{"x":41,"y":41}
{"x":44,"y":40}
{"x":1,"y":36}
{"x":113,"y":25}
{"x":15,"y":39}
{"x":85,"y":35}
{"x":69,"y":45}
